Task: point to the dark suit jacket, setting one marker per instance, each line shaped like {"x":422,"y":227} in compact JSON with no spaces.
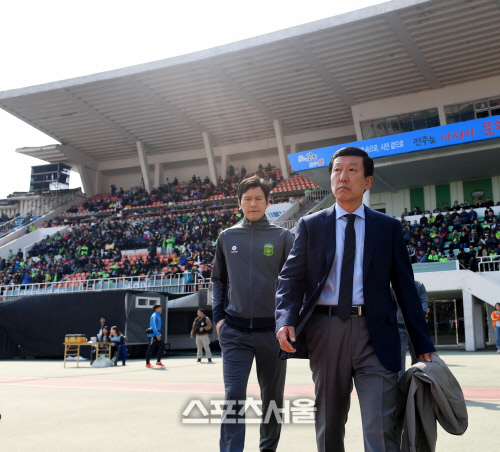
{"x":385,"y":261}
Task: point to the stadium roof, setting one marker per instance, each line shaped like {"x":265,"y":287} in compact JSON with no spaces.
{"x":307,"y":77}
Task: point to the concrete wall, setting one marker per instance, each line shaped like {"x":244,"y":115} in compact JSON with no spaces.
{"x":455,"y":94}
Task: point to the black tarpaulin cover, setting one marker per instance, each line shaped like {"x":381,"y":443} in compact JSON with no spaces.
{"x":39,"y":324}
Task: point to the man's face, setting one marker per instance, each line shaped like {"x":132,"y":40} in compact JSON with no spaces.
{"x":348,"y":180}
{"x":103,"y":320}
{"x":200,"y":314}
{"x":253,"y":203}
{"x":159,"y":309}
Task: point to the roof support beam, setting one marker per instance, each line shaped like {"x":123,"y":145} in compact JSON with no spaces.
{"x":210,"y":157}
{"x":278,"y":129}
{"x":166,"y":105}
{"x":321,"y":70}
{"x":78,"y":156}
{"x":243,"y":92}
{"x":413,"y":51}
{"x":143,"y":160}
{"x":127,"y":136}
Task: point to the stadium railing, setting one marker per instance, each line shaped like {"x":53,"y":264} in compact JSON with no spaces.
{"x":159,"y":283}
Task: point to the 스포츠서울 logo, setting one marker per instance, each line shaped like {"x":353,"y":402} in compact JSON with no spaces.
{"x":268,"y":249}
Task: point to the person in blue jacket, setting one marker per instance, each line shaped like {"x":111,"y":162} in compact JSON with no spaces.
{"x":155,"y":338}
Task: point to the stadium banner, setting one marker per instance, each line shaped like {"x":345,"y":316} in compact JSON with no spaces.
{"x":403,"y":143}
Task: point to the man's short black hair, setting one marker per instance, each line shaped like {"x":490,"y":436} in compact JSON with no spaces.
{"x":201,"y":310}
{"x":351,"y":150}
{"x":156,"y":306}
{"x":252,"y":182}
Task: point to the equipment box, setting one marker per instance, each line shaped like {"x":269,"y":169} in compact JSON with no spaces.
{"x":75,"y":338}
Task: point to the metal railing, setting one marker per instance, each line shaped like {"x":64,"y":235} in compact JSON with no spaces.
{"x":317,"y":195}
{"x":287,"y":224}
{"x":488,"y":264}
{"x":171,"y":283}
{"x":33,"y":214}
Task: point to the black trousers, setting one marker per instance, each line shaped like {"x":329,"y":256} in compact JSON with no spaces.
{"x":152,"y":344}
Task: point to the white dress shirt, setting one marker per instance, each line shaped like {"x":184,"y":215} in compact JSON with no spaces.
{"x":330,"y":293}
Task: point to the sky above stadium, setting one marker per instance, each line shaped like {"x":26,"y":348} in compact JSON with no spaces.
{"x":59,"y":39}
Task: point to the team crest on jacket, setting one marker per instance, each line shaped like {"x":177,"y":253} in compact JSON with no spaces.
{"x":268,"y":249}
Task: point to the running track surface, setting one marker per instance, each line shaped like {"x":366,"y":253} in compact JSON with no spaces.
{"x":470,"y":393}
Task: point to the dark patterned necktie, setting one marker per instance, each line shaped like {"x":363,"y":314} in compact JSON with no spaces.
{"x":347,"y":272}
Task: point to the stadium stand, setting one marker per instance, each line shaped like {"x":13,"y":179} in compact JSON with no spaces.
{"x":166,"y":236}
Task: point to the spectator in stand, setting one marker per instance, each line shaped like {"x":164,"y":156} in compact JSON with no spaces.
{"x":407,"y":234}
{"x":433,"y":257}
{"x":455,"y":218}
{"x":448,"y":218}
{"x":472,"y":214}
{"x":473,"y":264}
{"x":437,"y":209}
{"x":464,"y":237}
{"x":473,"y":238}
{"x":416,"y":211}
{"x":464,"y":216}
{"x":480,"y":203}
{"x":423,"y":220}
{"x":422,"y":258}
{"x":405,"y":213}
{"x":481,"y":253}
{"x":477,"y":227}
{"x":411,"y":253}
{"x":455,"y":205}
{"x":489,"y":202}
{"x":454,"y":239}
{"x":465,"y":204}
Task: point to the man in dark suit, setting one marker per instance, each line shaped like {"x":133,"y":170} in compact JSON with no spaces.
{"x":334,"y":306}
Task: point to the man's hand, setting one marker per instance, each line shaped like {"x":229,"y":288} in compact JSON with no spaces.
{"x":285,"y":333}
{"x":219,"y":324}
{"x":158,"y":338}
{"x":191,"y":336}
{"x":427,"y":357}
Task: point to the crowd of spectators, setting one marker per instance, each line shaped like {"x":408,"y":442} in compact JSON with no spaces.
{"x":176,"y":244}
{"x":437,"y":234}
{"x":174,"y":192}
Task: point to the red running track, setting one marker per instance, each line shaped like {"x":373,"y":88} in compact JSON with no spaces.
{"x":470,"y":393}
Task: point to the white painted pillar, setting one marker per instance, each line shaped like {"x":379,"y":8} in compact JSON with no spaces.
{"x":473,"y":320}
{"x":143,"y":160}
{"x":158,"y":174}
{"x":453,"y":193}
{"x":278,"y":129}
{"x":460,"y":192}
{"x":87,"y":180}
{"x":224,"y":163}
{"x":210,"y":157}
{"x":98,"y":182}
{"x":366,"y":198}
{"x":442,"y":115}
{"x":495,"y":185}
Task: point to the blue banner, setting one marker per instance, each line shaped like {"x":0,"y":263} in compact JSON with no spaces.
{"x":402,"y":143}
